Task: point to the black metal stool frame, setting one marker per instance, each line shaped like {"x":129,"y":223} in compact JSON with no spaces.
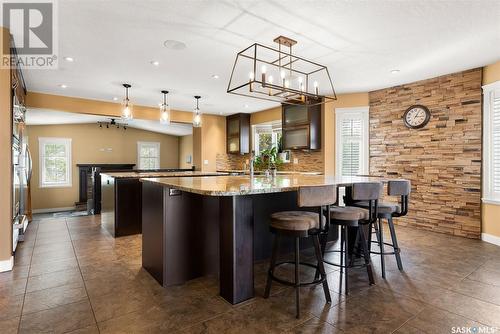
{"x":378,"y":227}
{"x":344,"y":239}
{"x":314,"y":233}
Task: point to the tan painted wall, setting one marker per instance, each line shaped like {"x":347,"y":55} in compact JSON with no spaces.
{"x":491,"y":212}
{"x":265,"y":116}
{"x":5,"y":153}
{"x":87,"y":142}
{"x":185,"y":150}
{"x":491,"y":73}
{"x":213,"y":141}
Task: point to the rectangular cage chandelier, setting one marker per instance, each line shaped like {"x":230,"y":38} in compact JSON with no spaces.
{"x":277,"y":75}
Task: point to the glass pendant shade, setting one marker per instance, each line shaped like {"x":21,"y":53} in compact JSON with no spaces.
{"x":127,"y":109}
{"x":197,"y":119}
{"x":165,"y":109}
{"x":127,"y":106}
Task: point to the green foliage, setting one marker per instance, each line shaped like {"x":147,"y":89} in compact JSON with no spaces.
{"x":268,"y":159}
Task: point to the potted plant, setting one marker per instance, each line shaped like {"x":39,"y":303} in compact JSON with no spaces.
{"x":268,"y":159}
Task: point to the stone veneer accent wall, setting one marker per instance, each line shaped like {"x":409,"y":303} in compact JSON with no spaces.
{"x":309,"y":161}
{"x":442,"y":160}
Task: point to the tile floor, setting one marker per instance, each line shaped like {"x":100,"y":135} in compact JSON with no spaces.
{"x":71,"y":276}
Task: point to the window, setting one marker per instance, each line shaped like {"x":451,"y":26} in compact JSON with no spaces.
{"x":148,"y":155}
{"x":491,"y":151}
{"x":55,"y":162}
{"x":266,"y":136}
{"x":351,"y":147}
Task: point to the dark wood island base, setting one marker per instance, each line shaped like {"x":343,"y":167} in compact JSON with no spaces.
{"x":188,"y":235}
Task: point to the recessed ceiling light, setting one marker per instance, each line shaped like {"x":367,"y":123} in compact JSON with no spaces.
{"x":215,"y":76}
{"x":63,"y":86}
{"x":115,"y":98}
{"x":220,"y":113}
{"x":246,"y":106}
{"x":70,"y":59}
{"x":174,"y":45}
{"x":395,"y":71}
{"x":155,"y":63}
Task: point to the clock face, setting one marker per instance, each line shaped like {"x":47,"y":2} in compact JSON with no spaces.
{"x":416,"y":117}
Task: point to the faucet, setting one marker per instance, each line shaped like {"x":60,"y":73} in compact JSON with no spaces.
{"x":252,"y":159}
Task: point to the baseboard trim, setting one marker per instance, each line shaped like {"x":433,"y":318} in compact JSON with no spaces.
{"x":492,"y":239}
{"x":49,"y":210}
{"x":7,"y":265}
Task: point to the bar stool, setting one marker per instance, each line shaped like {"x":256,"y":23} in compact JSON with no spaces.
{"x":302,"y":224}
{"x":350,"y":216}
{"x":387,"y":210}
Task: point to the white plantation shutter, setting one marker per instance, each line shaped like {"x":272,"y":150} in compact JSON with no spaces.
{"x":351,"y":146}
{"x":495,"y":126}
{"x":491,"y":187}
{"x":352,"y":141}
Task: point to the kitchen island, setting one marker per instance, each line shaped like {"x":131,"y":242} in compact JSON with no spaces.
{"x":121,"y":198}
{"x":217,"y":225}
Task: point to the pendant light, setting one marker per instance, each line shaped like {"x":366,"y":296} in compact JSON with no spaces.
{"x":197,"y":114}
{"x":127,"y":107}
{"x":165,"y":109}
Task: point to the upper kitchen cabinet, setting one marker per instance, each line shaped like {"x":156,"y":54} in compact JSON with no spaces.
{"x":238,"y":133}
{"x":301,"y":127}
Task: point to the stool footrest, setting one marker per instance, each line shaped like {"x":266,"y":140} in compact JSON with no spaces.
{"x":289,"y":283}
{"x":363,"y":265}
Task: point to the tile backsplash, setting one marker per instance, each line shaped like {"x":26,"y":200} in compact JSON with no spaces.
{"x":308,"y":161}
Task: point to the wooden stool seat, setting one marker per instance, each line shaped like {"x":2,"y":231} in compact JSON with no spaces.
{"x":295,"y":220}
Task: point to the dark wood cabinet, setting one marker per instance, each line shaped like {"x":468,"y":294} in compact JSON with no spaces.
{"x":238,"y":133}
{"x":90,"y":184}
{"x":301,"y":126}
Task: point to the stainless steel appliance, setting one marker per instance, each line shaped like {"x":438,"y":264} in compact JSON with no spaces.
{"x":21,"y":159}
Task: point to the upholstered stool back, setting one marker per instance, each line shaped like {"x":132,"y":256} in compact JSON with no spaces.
{"x":316,"y":196}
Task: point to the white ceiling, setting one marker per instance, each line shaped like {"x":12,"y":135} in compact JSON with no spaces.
{"x":114,"y":41}
{"x":50,"y":117}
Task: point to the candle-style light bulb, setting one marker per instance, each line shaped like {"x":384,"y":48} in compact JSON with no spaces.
{"x":283,"y":75}
{"x":316,"y":88}
{"x":251,"y":76}
{"x":263,"y":71}
{"x":270,"y":80}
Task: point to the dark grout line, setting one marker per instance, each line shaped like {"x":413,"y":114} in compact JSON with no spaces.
{"x":27,"y":278}
{"x":80,"y":270}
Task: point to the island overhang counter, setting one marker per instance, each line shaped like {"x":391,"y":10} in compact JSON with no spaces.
{"x":195,"y":226}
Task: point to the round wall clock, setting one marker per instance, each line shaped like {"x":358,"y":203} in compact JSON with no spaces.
{"x":417,"y":116}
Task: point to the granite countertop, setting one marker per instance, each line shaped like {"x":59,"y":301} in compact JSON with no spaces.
{"x":123,"y":175}
{"x":282,"y":172}
{"x":244,"y":185}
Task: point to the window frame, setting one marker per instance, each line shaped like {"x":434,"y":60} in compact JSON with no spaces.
{"x":148,"y":143}
{"x":272,"y":127}
{"x":341,"y":113}
{"x":488,"y":194}
{"x":42,"y":141}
